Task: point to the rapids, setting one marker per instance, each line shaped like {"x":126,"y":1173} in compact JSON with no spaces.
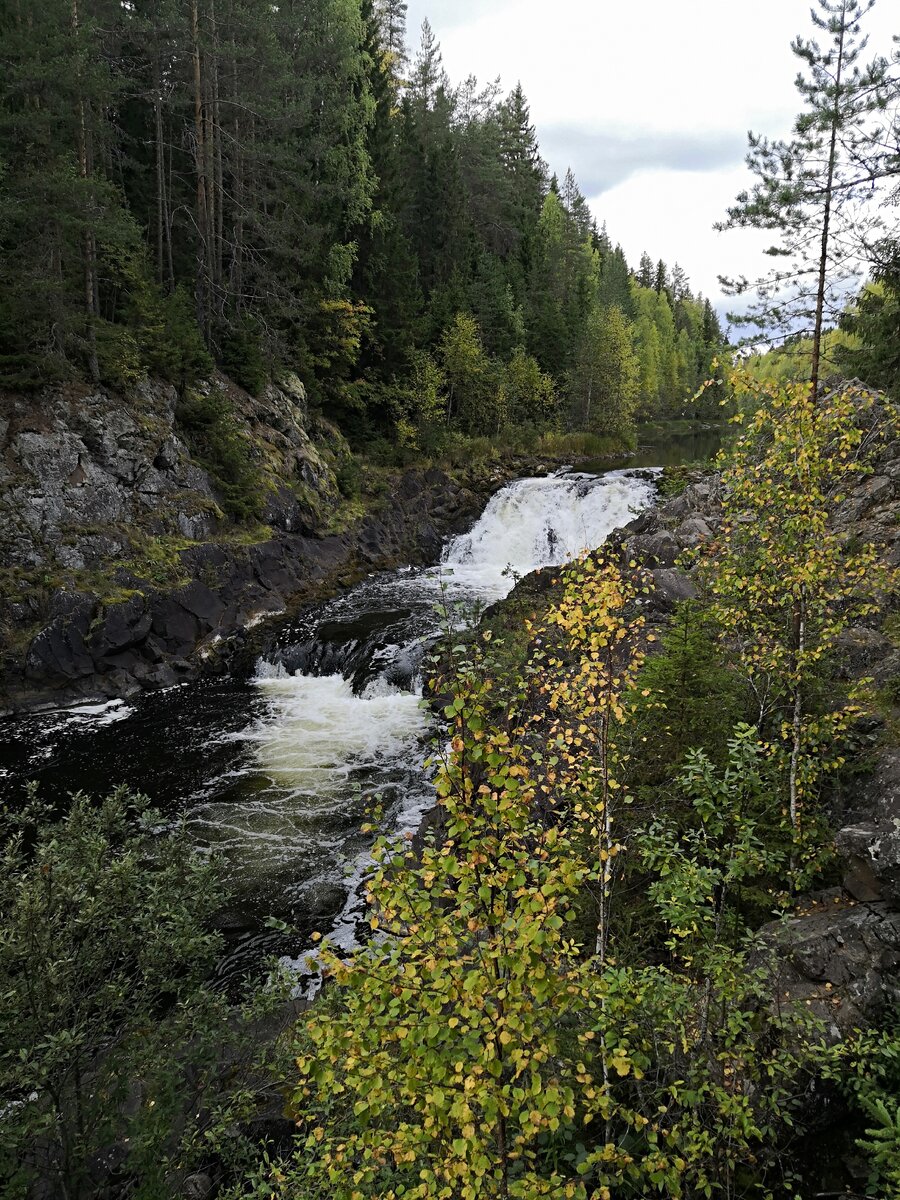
{"x":277,"y":772}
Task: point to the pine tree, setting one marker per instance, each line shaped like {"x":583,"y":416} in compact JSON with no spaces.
{"x":525,"y":176}
{"x":428,"y":77}
{"x":392,"y":21}
{"x":874,"y":321}
{"x":808,"y":187}
{"x":661,"y":278}
{"x":646,"y":271}
{"x":615,"y":281}
{"x":58,"y":288}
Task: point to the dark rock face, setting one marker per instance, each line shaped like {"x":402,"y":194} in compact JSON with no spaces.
{"x":692,"y":532}
{"x":78,"y":469}
{"x":862,"y":649}
{"x":870,"y":845}
{"x":61,"y":647}
{"x":159,"y":637}
{"x":671,"y":588}
{"x":658,"y":538}
{"x":658,"y":549}
{"x":89,"y":480}
{"x":840,"y":958}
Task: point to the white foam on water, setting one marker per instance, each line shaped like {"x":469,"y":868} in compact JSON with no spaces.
{"x":536,"y":523}
{"x":320,"y":745}
{"x":319,"y":756}
{"x":41,"y":731}
{"x":103,"y":713}
{"x":317,"y":727}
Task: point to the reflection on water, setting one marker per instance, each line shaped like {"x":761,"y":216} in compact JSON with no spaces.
{"x":700,"y":446}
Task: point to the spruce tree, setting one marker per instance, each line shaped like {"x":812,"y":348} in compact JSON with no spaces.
{"x":392,"y":20}
{"x":525,"y":172}
{"x":646,"y":271}
{"x":65,"y":235}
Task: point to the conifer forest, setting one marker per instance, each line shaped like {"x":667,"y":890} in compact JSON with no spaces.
{"x":449,"y":656}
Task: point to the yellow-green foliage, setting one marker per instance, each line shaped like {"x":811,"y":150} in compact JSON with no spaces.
{"x":499,"y":1038}
{"x":790,"y":363}
{"x":481,"y":1046}
{"x":783,"y":582}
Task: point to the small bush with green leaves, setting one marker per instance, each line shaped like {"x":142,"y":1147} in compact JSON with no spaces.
{"x":217,"y":442}
{"x":173,"y":344}
{"x":116,"y":1054}
{"x":242,"y":357}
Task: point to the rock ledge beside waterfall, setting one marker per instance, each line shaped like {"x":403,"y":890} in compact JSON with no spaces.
{"x":119,"y":569}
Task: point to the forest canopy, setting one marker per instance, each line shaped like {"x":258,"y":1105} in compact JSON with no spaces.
{"x":271,"y":188}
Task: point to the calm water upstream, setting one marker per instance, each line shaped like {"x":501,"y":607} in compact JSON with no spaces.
{"x":277,"y":771}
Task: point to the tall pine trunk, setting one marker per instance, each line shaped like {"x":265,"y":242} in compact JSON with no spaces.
{"x":89,"y":246}
{"x":162,"y":230}
{"x":217,"y":172}
{"x":236,"y":282}
{"x":826,"y":216}
{"x":200,"y":161}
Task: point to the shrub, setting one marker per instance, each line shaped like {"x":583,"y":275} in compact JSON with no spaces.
{"x":219,"y":445}
{"x":242,"y":357}
{"x":112,"y":1042}
{"x":173,"y":345}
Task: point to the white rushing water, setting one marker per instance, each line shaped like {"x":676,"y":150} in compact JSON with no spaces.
{"x":319,"y":731}
{"x":322,"y":751}
{"x":536,"y":523}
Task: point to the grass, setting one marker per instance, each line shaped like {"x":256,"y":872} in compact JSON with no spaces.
{"x":585,"y":445}
{"x":675,"y":480}
{"x":454,"y":450}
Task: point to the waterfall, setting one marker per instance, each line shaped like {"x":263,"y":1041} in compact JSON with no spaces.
{"x":344,"y":722}
{"x":279,"y":772}
{"x":536,"y":523}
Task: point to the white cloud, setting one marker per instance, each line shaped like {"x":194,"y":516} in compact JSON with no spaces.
{"x":648,"y":101}
{"x":671,"y":214}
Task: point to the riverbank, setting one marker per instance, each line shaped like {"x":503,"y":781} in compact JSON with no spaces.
{"x":146,"y":540}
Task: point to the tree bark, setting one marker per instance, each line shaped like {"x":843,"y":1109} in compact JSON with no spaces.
{"x":200,"y":160}
{"x":216,"y":152}
{"x":237,"y":280}
{"x":826,"y":217}
{"x":797,"y":724}
{"x":160,"y":175}
{"x":89,"y":248}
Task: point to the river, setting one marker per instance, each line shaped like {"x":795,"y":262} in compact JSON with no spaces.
{"x":276,"y":771}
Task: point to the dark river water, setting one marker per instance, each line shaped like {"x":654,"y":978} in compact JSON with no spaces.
{"x":276,"y":771}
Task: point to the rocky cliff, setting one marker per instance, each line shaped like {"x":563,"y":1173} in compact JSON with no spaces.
{"x":839,"y":953}
{"x":142,"y":537}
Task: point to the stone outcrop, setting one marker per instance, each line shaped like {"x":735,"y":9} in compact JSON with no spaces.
{"x":839,"y":958}
{"x":83,"y":474}
{"x":658,"y":537}
{"x":157,"y":637}
{"x":869,"y":843}
{"x":95,"y":490}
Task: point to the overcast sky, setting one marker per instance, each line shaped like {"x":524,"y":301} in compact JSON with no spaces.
{"x":649,"y":102}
